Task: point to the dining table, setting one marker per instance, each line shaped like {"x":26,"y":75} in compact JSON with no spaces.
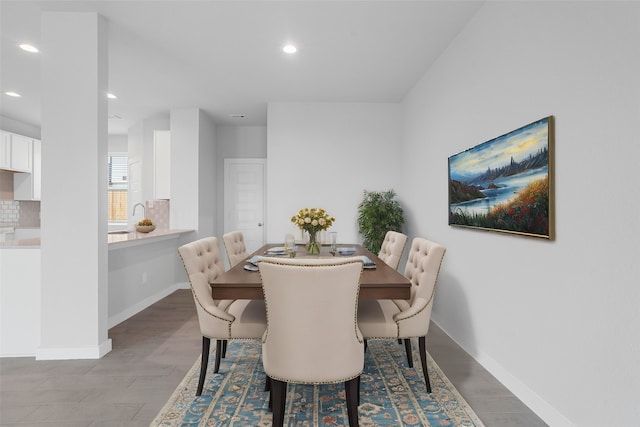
{"x":379,"y":282}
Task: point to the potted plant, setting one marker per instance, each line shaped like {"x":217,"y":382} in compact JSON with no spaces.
{"x":145,"y":226}
{"x":378,"y":213}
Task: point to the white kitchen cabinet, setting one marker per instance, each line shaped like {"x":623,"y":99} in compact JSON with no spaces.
{"x":5,"y":150}
{"x":161,"y":164}
{"x":26,"y":186}
{"x":16,"y":152}
{"x":21,"y":153}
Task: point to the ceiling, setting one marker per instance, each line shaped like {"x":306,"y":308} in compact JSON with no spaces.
{"x":226,"y":57}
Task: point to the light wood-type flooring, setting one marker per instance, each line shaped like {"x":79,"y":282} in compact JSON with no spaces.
{"x":152,"y":352}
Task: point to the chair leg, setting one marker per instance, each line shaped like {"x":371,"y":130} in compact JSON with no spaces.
{"x":279,"y":395}
{"x":204,"y":362}
{"x":270,"y":393}
{"x":352,"y":392}
{"x":365,"y":346}
{"x":267,"y":383}
{"x":224,"y":349}
{"x":423,"y":358}
{"x":218,"y":354}
{"x":399,"y":341}
{"x":407,"y":349}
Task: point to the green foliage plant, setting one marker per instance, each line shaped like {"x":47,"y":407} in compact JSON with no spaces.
{"x":378,"y":212}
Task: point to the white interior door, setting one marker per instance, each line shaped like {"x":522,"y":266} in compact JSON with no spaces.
{"x":244,"y":199}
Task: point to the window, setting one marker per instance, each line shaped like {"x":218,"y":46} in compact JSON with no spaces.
{"x":118,"y":190}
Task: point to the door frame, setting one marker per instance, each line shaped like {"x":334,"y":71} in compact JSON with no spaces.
{"x":226,"y":191}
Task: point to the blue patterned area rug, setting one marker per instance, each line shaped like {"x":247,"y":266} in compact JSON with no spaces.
{"x":391,"y":394}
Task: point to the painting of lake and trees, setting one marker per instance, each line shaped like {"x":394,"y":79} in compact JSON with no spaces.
{"x":504,"y":184}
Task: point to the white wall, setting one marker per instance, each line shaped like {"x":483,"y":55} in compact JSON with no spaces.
{"x":141,"y":275}
{"x":325,"y":155}
{"x":117,"y":144}
{"x":556,"y":321}
{"x":21,"y":128}
{"x":20,"y":300}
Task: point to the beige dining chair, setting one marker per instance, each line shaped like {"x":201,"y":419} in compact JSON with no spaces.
{"x":234,"y":246}
{"x":221,"y":320}
{"x":312,"y":334}
{"x":392,"y":248}
{"x":406,"y":319}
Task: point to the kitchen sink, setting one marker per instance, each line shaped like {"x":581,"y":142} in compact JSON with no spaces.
{"x":119,"y":232}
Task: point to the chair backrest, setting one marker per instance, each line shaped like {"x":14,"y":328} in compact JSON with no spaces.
{"x":312,"y":327}
{"x":203,"y":263}
{"x":392,"y":248}
{"x":234,"y":245}
{"x":422,"y":269}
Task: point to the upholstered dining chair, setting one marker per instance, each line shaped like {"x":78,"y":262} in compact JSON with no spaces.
{"x":221,"y":320}
{"x":392,"y":248}
{"x":234,"y":246}
{"x":406,"y":319}
{"x":312,"y":332}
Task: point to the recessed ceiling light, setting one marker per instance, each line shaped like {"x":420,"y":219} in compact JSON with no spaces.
{"x":289,"y":48}
{"x":111,"y":96}
{"x":29,"y":48}
{"x":14,"y":94}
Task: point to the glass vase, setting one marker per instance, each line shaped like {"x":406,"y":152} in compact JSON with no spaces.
{"x":313,"y":247}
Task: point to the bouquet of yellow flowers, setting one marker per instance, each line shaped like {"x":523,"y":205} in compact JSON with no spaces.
{"x":313,"y":220}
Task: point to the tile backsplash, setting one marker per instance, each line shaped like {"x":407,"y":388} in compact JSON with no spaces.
{"x":23,"y":214}
{"x":6,"y":185}
{"x":26,"y":214}
{"x":9,"y":212}
{"x":159,"y":213}
{"x":29,"y":214}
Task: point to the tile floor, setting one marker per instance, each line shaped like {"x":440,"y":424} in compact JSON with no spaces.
{"x":152,"y":352}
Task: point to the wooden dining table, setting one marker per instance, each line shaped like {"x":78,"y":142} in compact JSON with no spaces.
{"x":381,"y":282}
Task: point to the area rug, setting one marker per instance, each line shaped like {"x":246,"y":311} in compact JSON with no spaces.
{"x":391,"y":394}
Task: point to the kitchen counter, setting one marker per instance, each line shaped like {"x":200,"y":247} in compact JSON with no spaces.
{"x":21,"y":244}
{"x":115,"y":241}
{"x":134,"y":238}
{"x":143,"y":268}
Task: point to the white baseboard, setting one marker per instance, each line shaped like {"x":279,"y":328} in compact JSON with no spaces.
{"x":530,"y":398}
{"x":68,"y":353}
{"x":138,"y":307}
{"x":183,"y":285}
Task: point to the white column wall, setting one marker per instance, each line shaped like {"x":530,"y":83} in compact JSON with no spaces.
{"x":74,"y":179}
{"x":184,"y":125}
{"x":556,"y":321}
{"x":207,"y":171}
{"x":193,"y":171}
{"x":325,"y":155}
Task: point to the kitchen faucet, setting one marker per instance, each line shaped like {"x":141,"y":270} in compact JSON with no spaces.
{"x":144,"y":210}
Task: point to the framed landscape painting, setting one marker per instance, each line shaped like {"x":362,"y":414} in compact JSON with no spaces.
{"x":506,"y":184}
